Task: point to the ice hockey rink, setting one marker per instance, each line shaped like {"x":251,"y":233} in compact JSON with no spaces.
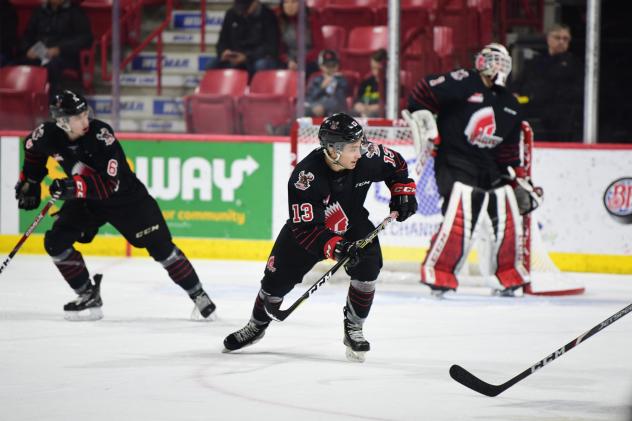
{"x":147,"y":361}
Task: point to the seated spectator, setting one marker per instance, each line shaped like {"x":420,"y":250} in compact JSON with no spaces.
{"x":8,"y":32}
{"x":55,"y":35}
{"x":249,"y":38}
{"x":327,"y":92}
{"x":369,"y":101}
{"x":550,"y":87}
{"x":313,"y":38}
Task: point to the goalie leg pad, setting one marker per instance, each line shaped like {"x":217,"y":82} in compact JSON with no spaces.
{"x":507,"y":257}
{"x":450,"y":246}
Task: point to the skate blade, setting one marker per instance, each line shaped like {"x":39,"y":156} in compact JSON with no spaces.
{"x":87,"y":315}
{"x":197,"y":316}
{"x":228,"y":351}
{"x":355,"y":356}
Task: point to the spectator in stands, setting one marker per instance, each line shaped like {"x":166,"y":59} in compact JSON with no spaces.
{"x":313,"y":37}
{"x":8,"y":32}
{"x":249,"y":38}
{"x":327,"y":92}
{"x":550,"y":87}
{"x":55,"y":35}
{"x":369,"y":102}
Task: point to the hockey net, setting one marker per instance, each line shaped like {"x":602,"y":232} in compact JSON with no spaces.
{"x":405,"y":244}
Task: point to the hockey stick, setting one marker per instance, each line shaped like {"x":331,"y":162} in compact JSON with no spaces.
{"x":467,"y":379}
{"x":277,"y":314}
{"x":28,"y":233}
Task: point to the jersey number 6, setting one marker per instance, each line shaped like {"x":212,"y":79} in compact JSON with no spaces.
{"x":302,"y":212}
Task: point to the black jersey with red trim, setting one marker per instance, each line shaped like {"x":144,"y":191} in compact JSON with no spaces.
{"x":97,"y":158}
{"x":324,"y":204}
{"x":478,"y":126}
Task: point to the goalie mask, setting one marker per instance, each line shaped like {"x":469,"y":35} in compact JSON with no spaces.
{"x":340,"y":129}
{"x":66,"y":105}
{"x":494,"y":62}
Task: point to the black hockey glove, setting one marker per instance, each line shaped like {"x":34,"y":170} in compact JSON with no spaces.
{"x":349,"y":249}
{"x":28,"y":193}
{"x":63,"y":188}
{"x":403,"y":200}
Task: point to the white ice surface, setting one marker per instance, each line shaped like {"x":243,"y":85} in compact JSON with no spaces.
{"x":146,"y":361}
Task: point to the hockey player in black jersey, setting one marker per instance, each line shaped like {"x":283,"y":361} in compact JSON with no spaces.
{"x":476,"y":142}
{"x":326,"y":194}
{"x":100,"y":187}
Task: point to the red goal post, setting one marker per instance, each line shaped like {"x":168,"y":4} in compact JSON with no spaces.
{"x":396,"y":134}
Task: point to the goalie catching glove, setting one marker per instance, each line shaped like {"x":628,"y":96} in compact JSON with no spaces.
{"x":528,"y":196}
{"x":423,"y":128}
{"x":403,"y":199}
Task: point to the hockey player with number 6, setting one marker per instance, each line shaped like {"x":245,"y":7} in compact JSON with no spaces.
{"x":476,"y":144}
{"x":99,"y":187}
{"x":326,"y":194}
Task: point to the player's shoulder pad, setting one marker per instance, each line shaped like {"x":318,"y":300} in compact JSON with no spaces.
{"x":41,"y":134}
{"x":103,"y":132}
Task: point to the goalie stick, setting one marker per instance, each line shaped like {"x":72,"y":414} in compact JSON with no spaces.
{"x":277,"y":314}
{"x":467,"y":379}
{"x":28,"y":233}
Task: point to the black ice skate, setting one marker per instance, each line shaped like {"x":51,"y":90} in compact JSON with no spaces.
{"x":354,"y":339}
{"x":204,"y":307}
{"x":87,"y":306}
{"x":248,"y":335}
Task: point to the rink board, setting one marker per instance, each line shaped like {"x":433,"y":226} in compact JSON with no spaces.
{"x":225,"y":197}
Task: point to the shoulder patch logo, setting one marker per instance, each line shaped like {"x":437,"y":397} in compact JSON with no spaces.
{"x":304,"y":178}
{"x":372,"y":150}
{"x":106,"y":136}
{"x":38,"y":132}
{"x":336,"y":219}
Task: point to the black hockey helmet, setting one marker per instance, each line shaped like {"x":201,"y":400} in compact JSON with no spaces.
{"x":67,"y":104}
{"x":338,"y":130}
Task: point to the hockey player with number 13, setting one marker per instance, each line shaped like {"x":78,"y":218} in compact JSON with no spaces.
{"x":476,"y":142}
{"x":326,"y":194}
{"x":99,"y":187}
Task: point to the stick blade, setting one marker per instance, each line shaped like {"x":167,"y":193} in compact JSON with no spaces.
{"x":469,"y":380}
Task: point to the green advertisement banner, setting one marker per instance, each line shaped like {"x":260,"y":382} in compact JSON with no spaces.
{"x":205,"y":189}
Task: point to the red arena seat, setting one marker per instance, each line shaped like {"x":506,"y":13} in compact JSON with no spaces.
{"x":23,"y":97}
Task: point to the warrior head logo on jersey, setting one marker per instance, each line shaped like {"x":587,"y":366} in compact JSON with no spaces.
{"x":481,"y":128}
{"x":336,"y":219}
{"x":303,"y":180}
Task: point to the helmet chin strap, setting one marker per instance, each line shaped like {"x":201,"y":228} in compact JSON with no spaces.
{"x":335,"y":161}
{"x":62,"y":123}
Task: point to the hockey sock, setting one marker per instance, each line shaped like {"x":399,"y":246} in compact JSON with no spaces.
{"x":181,"y":271}
{"x":72,"y":267}
{"x":259,"y":315}
{"x":359,"y":300}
